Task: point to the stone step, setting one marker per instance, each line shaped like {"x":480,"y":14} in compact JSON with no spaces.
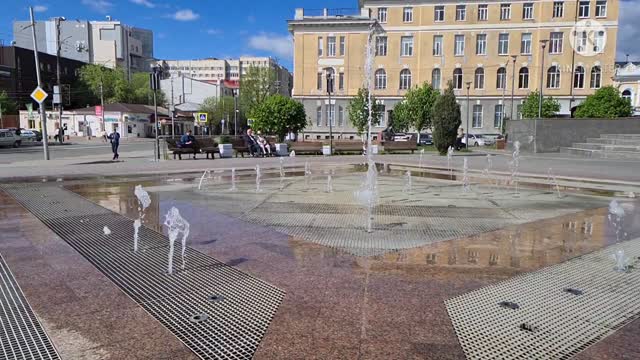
{"x":621,"y":136}
{"x":599,"y":154}
{"x":627,"y":142}
{"x":606,"y":147}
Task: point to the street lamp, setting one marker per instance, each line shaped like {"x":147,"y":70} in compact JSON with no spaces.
{"x":543,"y":43}
{"x":330,"y":112}
{"x":235,"y":112}
{"x":513,"y":85}
{"x":466,"y":134}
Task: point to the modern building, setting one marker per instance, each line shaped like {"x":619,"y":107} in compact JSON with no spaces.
{"x":109,"y":43}
{"x":627,"y":80}
{"x":214,"y":70}
{"x":494,"y":47}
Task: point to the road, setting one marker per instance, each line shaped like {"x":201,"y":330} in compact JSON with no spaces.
{"x":58,"y":152}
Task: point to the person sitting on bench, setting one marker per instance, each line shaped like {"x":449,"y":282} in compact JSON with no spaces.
{"x":264,"y":145}
{"x":188,"y":141}
{"x":252,"y":144}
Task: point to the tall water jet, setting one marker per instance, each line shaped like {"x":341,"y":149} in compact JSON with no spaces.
{"x":421,"y":155}
{"x":205,"y":176}
{"x":465,"y":176}
{"x":282,"y":173}
{"x":258,"y":179}
{"x":616,"y":217}
{"x":144,"y":200}
{"x":176,"y":225}
{"x":408,"y":182}
{"x":329,"y":187}
{"x":367,"y":196}
{"x":553,"y":182}
{"x":233,"y":180}
{"x":515,"y":165}
{"x":307,"y":175}
{"x":449,"y":160}
{"x":622,"y":261}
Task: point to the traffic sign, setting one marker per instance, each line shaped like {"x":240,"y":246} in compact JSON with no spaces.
{"x":202,"y":117}
{"x":39,"y":95}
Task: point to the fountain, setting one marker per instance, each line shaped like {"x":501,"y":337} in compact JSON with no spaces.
{"x":465,"y":176}
{"x":292,"y":153}
{"x":176,"y":224}
{"x":515,"y":165}
{"x":233,"y":180}
{"x":329,"y":183}
{"x":420,"y":161}
{"x":487,"y":170}
{"x":616,"y":216}
{"x":106,"y":231}
{"x":553,"y":182}
{"x":449,"y":160}
{"x":258,"y":179}
{"x":368,"y":193}
{"x":205,"y":175}
{"x":307,"y":175}
{"x":143,"y":203}
{"x":408,"y":182}
{"x":622,"y":261}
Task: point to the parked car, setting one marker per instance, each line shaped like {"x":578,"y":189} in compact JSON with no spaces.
{"x":9,"y":138}
{"x":401,"y":137}
{"x":426,"y":139}
{"x":38,"y":134}
{"x":474,"y":140}
{"x":493,"y":137}
{"x":30,"y":135}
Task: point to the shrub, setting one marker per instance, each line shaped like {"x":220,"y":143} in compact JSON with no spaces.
{"x":446,"y":120}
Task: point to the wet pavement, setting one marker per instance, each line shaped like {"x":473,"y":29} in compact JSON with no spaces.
{"x":337,"y":306}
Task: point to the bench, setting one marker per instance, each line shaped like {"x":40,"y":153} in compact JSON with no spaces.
{"x":240,"y":146}
{"x":172,"y":145}
{"x":208,"y":146}
{"x":347,"y":146}
{"x":393,"y":146}
{"x":309,"y":147}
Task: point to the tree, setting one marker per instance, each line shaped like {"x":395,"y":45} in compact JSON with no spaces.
{"x":446,"y":120}
{"x":279,"y":115}
{"x":415,"y":110}
{"x":115,"y":87}
{"x":141,"y":92}
{"x":256,"y":85}
{"x":8,"y":106}
{"x":358,"y":109}
{"x":218,"y":109}
{"x":605,"y":103}
{"x":530,"y":107}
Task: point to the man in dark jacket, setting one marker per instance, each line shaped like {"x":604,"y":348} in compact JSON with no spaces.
{"x":188,"y":141}
{"x":252,"y":143}
{"x":114,"y":137}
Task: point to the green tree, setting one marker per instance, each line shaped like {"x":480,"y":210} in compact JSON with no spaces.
{"x":358,"y":109}
{"x":218,"y":109}
{"x":416,"y":109}
{"x":8,"y":106}
{"x":115,"y":87}
{"x":446,"y":120}
{"x":279,"y":115}
{"x":530,"y":107}
{"x":141,"y":92}
{"x":256,"y":85}
{"x":605,"y":103}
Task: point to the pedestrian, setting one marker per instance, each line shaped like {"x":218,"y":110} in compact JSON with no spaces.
{"x":459,"y":137}
{"x":115,"y":142}
{"x":61,"y":134}
{"x":103,"y":135}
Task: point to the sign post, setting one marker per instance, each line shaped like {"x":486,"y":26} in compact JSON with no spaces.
{"x":40,"y":96}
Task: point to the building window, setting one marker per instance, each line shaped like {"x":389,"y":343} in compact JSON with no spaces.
{"x":481,"y":44}
{"x":437,"y":45}
{"x":478,"y":82}
{"x":319,"y":81}
{"x":381,"y":79}
{"x":483,"y":12}
{"x":556,"y":43}
{"x":331,"y":46}
{"x":461,"y":12}
{"x":477,"y":116}
{"x":331,"y":114}
{"x":342,"y":45}
{"x":435,"y":78}
{"x":596,"y":77}
{"x":331,"y":80}
{"x":341,"y":81}
{"x":553,"y":78}
{"x":527,"y":11}
{"x":598,"y":45}
{"x":505,"y":11}
{"x":583,"y":9}
{"x":439,"y":13}
{"x":381,"y":46}
{"x":523,"y":80}
{"x":382,"y":15}
{"x":320,"y":46}
{"x":525,"y":44}
{"x":498,"y":116}
{"x":558,"y":9}
{"x":319,"y":116}
{"x":501,"y":78}
{"x":578,"y":78}
{"x":625,"y":95}
{"x":459,"y":49}
{"x":457,"y":78}
{"x":407,"y":46}
{"x":405,"y":79}
{"x":503,"y":44}
{"x":407,"y":15}
{"x":382,"y":110}
{"x":340,"y":116}
{"x":601,"y":8}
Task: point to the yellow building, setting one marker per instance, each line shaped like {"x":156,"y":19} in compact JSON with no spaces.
{"x":494,"y":47}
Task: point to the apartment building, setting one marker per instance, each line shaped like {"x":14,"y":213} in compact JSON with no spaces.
{"x":494,"y":47}
{"x":231,"y":70}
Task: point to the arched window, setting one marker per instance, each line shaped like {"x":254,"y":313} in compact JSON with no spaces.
{"x":479,"y":79}
{"x":596,"y":77}
{"x":501,"y":78}
{"x":381,"y":79}
{"x":435,"y":78}
{"x":330,"y":73}
{"x":627,"y":95}
{"x":553,"y":78}
{"x":578,"y":78}
{"x":457,"y":78}
{"x":405,"y":79}
{"x":523,"y":81}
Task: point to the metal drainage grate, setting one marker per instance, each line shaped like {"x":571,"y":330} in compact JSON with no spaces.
{"x":22,"y":337}
{"x":228,"y":329}
{"x":561,"y":310}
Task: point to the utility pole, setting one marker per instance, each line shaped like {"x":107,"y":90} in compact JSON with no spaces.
{"x":466,"y":133}
{"x":331,"y":111}
{"x":155,"y":84}
{"x":58,"y":44}
{"x":102,"y":127}
{"x":544,"y":46}
{"x":235,"y":117}
{"x":172,"y":110}
{"x":513,"y":85}
{"x":43,"y":118}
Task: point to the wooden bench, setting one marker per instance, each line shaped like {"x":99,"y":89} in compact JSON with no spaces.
{"x":172,"y":144}
{"x":393,"y":146}
{"x":208,"y":146}
{"x":240,"y":146}
{"x":306,"y":147}
{"x":347,"y":147}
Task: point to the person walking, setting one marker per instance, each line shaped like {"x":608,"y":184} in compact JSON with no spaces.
{"x":114,"y":137}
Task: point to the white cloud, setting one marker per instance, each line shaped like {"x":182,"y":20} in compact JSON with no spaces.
{"x":146,"y":3}
{"x":281,"y":45}
{"x":100,"y":6}
{"x":185,"y":15}
{"x":214,"y":31}
{"x":40,"y":8}
{"x":628,"y":31}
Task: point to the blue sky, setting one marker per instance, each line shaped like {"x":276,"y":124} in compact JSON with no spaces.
{"x":186,"y":29}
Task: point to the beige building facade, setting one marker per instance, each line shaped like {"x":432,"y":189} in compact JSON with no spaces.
{"x":494,"y":47}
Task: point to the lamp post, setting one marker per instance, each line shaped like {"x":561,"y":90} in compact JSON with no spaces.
{"x":543,"y":43}
{"x":330,"y":112}
{"x":513,"y":85}
{"x":466,"y":134}
{"x":235,"y":112}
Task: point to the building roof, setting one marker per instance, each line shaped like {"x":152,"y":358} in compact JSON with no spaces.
{"x":124,"y":108}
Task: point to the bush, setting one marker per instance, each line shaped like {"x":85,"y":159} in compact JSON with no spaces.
{"x":446,"y":120}
{"x":279,"y":115}
{"x":531,"y":106}
{"x":225,"y":139}
{"x":605,"y":103}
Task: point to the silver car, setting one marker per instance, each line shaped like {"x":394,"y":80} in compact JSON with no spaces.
{"x":9,"y":138}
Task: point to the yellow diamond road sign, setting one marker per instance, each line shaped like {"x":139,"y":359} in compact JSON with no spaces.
{"x":39,"y":95}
